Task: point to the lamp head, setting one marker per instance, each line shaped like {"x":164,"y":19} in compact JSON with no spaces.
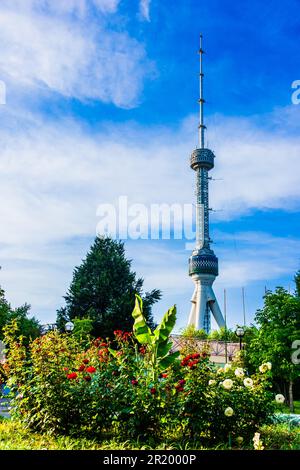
{"x":240,"y":331}
{"x":69,"y":326}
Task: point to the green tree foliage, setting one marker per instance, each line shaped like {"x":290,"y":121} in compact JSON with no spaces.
{"x":27,"y":326}
{"x":191,"y":332}
{"x":223,"y":334}
{"x":82,"y":330}
{"x":297,"y":282}
{"x":103,"y":289}
{"x":279,"y":326}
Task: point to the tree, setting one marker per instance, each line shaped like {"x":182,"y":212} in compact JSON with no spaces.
{"x":4,"y":311}
{"x":27,"y":327}
{"x":297,"y":282}
{"x":279,"y":326}
{"x":223,"y":334}
{"x":103,"y":289}
{"x":190,"y":331}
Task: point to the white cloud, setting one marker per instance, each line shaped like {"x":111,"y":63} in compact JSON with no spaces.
{"x":78,"y":7}
{"x":76,"y":56}
{"x":53,"y":175}
{"x":145,"y":9}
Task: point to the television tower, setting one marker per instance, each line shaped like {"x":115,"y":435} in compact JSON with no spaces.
{"x":203,"y":264}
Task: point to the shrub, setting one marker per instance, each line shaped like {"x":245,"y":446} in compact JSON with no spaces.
{"x":280,"y":436}
{"x":134,"y":386}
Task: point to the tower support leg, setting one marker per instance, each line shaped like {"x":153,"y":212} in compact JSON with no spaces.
{"x":203,"y":302}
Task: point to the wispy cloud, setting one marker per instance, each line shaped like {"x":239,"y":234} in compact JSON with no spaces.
{"x":145,"y":9}
{"x":54,"y":174}
{"x":60,"y":47}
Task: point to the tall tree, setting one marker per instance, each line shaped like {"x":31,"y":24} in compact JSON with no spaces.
{"x":103,"y":289}
{"x":279,"y":326}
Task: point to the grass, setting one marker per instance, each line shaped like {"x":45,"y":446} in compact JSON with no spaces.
{"x":286,"y":409}
{"x":13,"y":436}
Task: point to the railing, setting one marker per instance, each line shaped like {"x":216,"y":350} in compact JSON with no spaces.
{"x":220,"y":349}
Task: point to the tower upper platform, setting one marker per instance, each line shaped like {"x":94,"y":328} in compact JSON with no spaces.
{"x":202,"y":158}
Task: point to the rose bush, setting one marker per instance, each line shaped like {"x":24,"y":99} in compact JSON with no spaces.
{"x":133,"y":386}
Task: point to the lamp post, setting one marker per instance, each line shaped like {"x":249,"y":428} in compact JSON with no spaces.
{"x":69,"y":327}
{"x":240,"y":333}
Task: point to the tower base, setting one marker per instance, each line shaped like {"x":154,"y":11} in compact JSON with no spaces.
{"x":204,"y":303}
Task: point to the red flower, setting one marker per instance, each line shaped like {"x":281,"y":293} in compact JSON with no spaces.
{"x":85,"y":361}
{"x":193,"y":363}
{"x":91,"y":369}
{"x":180,"y":386}
{"x":73,"y":375}
{"x":118,"y":333}
{"x":153,"y":391}
{"x":87,"y":378}
{"x":191,"y":360}
{"x":103,"y":344}
{"x":143,"y":349}
{"x":195,"y":356}
{"x":81,"y":368}
{"x":164,"y":376}
{"x":126,"y":336}
{"x":66,"y":369}
{"x":134,"y":382}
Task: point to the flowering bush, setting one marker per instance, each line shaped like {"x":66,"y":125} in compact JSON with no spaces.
{"x":133,"y":386}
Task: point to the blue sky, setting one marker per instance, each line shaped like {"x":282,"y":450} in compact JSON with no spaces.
{"x":101,"y":102}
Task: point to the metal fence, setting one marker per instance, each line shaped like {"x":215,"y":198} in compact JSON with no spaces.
{"x":220,"y":351}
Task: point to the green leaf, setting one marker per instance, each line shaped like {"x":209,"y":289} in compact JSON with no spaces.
{"x":164,"y":348}
{"x":112,"y":352}
{"x":140,"y":328}
{"x":168,"y":361}
{"x":167,"y":324}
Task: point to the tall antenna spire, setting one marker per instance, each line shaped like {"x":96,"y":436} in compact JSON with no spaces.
{"x":201,"y":100}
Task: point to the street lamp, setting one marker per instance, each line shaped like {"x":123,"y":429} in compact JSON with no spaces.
{"x":240,"y":333}
{"x":69,"y":327}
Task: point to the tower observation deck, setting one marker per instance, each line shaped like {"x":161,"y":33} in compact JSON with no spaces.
{"x":203,"y":263}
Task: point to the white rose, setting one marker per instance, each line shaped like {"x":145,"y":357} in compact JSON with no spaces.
{"x":248,"y":382}
{"x":227,"y":383}
{"x":269,"y":365}
{"x":239,"y":372}
{"x":263,"y":368}
{"x":227,"y":367}
{"x":279,"y":398}
{"x":212,"y":382}
{"x":228,"y":412}
{"x":257,"y":443}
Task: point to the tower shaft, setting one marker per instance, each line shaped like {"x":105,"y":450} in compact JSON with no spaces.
{"x":202,"y":209}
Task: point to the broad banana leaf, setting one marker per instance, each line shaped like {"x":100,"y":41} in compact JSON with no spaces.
{"x":140,"y":328}
{"x":162,"y":332}
{"x":163,"y":348}
{"x":167,"y":361}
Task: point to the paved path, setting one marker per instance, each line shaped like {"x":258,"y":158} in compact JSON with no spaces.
{"x":4,"y":408}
